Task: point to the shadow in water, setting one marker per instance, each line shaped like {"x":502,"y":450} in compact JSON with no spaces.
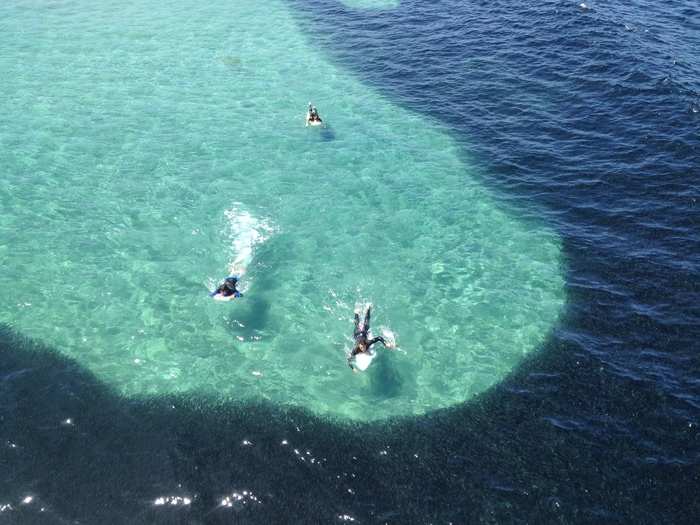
{"x":250,"y":317}
{"x":385,"y":379}
{"x":84,"y":454}
{"x":571,"y":436}
{"x":327,"y":134}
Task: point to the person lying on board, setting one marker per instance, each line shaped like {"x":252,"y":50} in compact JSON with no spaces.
{"x":312,"y":116}
{"x":361,"y":335}
{"x":227,"y":289}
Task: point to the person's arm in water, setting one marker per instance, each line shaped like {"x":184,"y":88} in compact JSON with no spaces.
{"x":356,"y":350}
{"x":378,"y":339}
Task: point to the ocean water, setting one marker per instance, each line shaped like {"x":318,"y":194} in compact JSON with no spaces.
{"x":372,"y":4}
{"x":165,"y":156}
{"x":512,"y":186}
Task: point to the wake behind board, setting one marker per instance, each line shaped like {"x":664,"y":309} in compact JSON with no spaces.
{"x":246,"y":232}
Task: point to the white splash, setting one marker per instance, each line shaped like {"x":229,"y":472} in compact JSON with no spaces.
{"x":245,"y":232}
{"x":389,"y":336}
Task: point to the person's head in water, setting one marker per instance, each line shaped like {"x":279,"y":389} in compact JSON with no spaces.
{"x":230,"y":283}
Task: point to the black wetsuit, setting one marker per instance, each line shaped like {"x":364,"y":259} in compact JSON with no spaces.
{"x":313,"y":116}
{"x":362,"y":344}
{"x":226,"y":290}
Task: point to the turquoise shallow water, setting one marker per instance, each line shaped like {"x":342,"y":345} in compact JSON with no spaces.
{"x":145,"y":150}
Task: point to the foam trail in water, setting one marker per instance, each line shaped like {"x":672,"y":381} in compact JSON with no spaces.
{"x":245,"y":232}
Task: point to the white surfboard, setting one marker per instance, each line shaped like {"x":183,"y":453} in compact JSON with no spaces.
{"x":219,"y":297}
{"x":363,"y":360}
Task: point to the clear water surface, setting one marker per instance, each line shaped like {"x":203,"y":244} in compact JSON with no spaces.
{"x":148,"y":152}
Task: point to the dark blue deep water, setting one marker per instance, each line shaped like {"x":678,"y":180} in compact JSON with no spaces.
{"x":587,"y":118}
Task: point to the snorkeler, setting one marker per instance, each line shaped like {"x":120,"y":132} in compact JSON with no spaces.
{"x":361,"y":333}
{"x":312,"y":116}
{"x":227,"y":289}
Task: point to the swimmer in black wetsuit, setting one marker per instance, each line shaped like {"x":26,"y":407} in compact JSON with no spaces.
{"x":312,"y":115}
{"x":362,"y":344}
{"x":227,"y":288}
